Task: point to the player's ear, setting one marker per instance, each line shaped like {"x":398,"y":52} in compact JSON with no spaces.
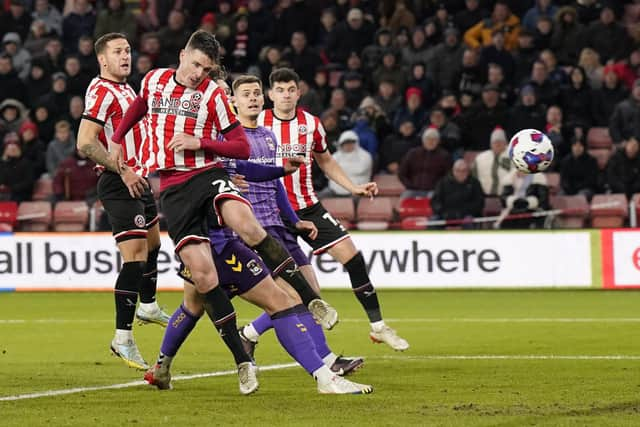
{"x":269,"y":92}
{"x":181,"y":55}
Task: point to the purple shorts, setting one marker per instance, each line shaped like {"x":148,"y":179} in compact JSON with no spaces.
{"x":239,"y":268}
{"x":286,"y":239}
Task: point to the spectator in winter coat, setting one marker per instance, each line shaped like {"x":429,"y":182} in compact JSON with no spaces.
{"x":606,"y":98}
{"x":115,"y":18}
{"x":33,"y":149}
{"x":576,"y":100}
{"x":395,"y":146}
{"x":579,"y":171}
{"x":20,"y":57}
{"x":450,"y":135}
{"x":525,"y":193}
{"x":568,"y":36}
{"x":458,"y":195}
{"x":350,"y":36}
{"x":623,"y":169}
{"x":502,"y":20}
{"x":447,"y":60}
{"x":12,"y":115}
{"x":372,"y":54}
{"x":541,"y":8}
{"x":493,"y":165}
{"x":81,"y":21}
{"x":49,"y":15}
{"x":470,"y":16}
{"x":75,"y":179}
{"x":387,"y":98}
{"x":482,"y":118}
{"x":367,"y":139}
{"x":412,"y":109}
{"x":608,"y":37}
{"x":11,"y":87}
{"x":16,"y":174}
{"x":354,"y":160}
{"x":61,"y":147}
{"x":528,"y":114}
{"x":624,"y":122}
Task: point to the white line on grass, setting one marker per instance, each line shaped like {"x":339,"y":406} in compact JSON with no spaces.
{"x":511,"y":357}
{"x":49,"y":393}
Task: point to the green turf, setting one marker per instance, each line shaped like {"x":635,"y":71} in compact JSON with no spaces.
{"x":422,"y":386}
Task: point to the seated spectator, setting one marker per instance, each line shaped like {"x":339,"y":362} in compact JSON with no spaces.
{"x":33,"y":149}
{"x":497,"y":54}
{"x":471,"y":15}
{"x":16,"y":174}
{"x":412,"y":109}
{"x":46,"y":124}
{"x":557,"y":132}
{"x":115,"y":18}
{"x":143,"y":66}
{"x":329,"y":119}
{"x":458,"y":195}
{"x":151,"y":46}
{"x":351,"y":35}
{"x":607,"y":36}
{"x":502,"y":20}
{"x":20,"y":57}
{"x":309,"y":99}
{"x":338,"y":102}
{"x":87,"y":56}
{"x":11,"y":87}
{"x":77,"y":81}
{"x":75,"y":179}
{"x":525,"y":193}
{"x":450,"y":135}
{"x":543,"y":33}
{"x":524,"y":57}
{"x":447,"y":60}
{"x":15,"y":18}
{"x":49,"y":15}
{"x":76,"y":108}
{"x":387,"y":98}
{"x":623,"y":169}
{"x":372,"y":54}
{"x":590,"y":62}
{"x":493,"y":165}
{"x":547,"y":92}
{"x":527,"y":114}
{"x":606,"y":98}
{"x":61,"y":147}
{"x":541,"y":8}
{"x":57,"y":101}
{"x":395,"y":146}
{"x":624,"y":122}
{"x":418,"y":49}
{"x":301,"y":57}
{"x":38,"y":84}
{"x":576,"y":100}
{"x":354,"y":160}
{"x":567,"y":38}
{"x":422,"y":167}
{"x":52,"y":58}
{"x":556,"y":73}
{"x":81,"y":21}
{"x":377,"y":119}
{"x":37,"y":38}
{"x":423,"y":82}
{"x":579,"y":171}
{"x":471,"y":74}
{"x":353,"y":89}
{"x":389,"y":69}
{"x":367,"y":138}
{"x":12,"y":115}
{"x":482,"y":118}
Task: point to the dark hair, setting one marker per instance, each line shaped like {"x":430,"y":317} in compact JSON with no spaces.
{"x":244,"y":79}
{"x":101,"y":44}
{"x":283,"y":75}
{"x":206,"y":43}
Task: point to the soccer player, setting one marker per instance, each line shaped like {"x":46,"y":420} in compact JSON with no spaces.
{"x":241,"y":272}
{"x":125,"y":194}
{"x":186,"y":113}
{"x":300,"y":132}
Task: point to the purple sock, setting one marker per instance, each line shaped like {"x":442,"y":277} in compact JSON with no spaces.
{"x":262,"y":323}
{"x":180,"y":326}
{"x":295,"y":338}
{"x":315,"y":332}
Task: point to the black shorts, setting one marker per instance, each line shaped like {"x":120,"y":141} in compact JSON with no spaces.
{"x":130,"y":218}
{"x":191,"y":208}
{"x":330,"y":231}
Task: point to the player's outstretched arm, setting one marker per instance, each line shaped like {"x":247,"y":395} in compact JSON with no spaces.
{"x":335,"y":172}
{"x":257,"y":172}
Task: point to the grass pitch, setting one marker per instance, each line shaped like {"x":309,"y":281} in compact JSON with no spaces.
{"x":485,"y":358}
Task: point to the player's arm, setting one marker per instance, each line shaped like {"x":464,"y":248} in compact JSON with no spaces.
{"x":91,"y":147}
{"x":287,"y":211}
{"x":334,"y":171}
{"x":257,"y":172}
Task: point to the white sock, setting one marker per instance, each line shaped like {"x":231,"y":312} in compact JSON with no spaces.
{"x":150,"y":306}
{"x":123,"y":336}
{"x":323,"y":374}
{"x":377,"y":326}
{"x":330,"y":359}
{"x":250,"y":333}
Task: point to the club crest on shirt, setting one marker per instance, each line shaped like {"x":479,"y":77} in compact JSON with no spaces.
{"x":302,"y":129}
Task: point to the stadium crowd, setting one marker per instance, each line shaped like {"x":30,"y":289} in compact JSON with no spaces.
{"x":430,"y":91}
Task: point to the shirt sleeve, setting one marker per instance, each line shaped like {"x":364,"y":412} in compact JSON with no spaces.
{"x":98,"y":105}
{"x":319,"y":138}
{"x":222,"y":116}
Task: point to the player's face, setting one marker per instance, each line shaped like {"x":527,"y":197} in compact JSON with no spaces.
{"x":249,"y":100}
{"x":116,"y":59}
{"x":194,"y":67}
{"x":284,"y":95}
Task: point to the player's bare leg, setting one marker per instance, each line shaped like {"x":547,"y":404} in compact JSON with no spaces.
{"x":148,"y":310}
{"x":346,"y":254}
{"x":239,"y":217}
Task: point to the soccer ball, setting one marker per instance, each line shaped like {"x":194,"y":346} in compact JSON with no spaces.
{"x":531,"y":151}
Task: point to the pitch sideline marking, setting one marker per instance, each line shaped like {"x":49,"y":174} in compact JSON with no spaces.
{"x":53,"y":393}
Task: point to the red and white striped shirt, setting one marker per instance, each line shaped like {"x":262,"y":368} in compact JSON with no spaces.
{"x":106,"y":102}
{"x":203,"y":112}
{"x":304,"y":134}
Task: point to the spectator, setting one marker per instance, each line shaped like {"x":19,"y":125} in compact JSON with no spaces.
{"x":350,"y":36}
{"x":261,"y":23}
{"x":557,"y":75}
{"x":225,"y":16}
{"x":61,"y":147}
{"x":401,"y":39}
{"x":555,"y":130}
{"x":524,"y":57}
{"x":20,"y":57}
{"x":495,"y":77}
{"x":470,"y":16}
{"x":527,"y":114}
{"x":298,"y":16}
{"x":367,"y":138}
{"x":395,"y":146}
{"x":329,"y":120}
{"x":525,"y":193}
{"x":624,"y":123}
{"x":115,"y":18}
{"x":37,"y":38}
{"x":418,"y":50}
{"x":412,"y":109}
{"x":387,"y":98}
{"x":450,"y":135}
{"x":492,"y":166}
{"x":390,"y":70}
{"x":372,"y":54}
{"x":52,"y":58}
{"x":151,"y":46}
{"x":568,"y":36}
{"x":471,"y":75}
{"x":354,"y":160}
{"x":623,"y":169}
{"x":579,"y":171}
{"x":543,"y":33}
{"x":496,"y":54}
{"x":240,"y":49}
{"x":33,"y":149}
{"x":607,"y":97}
{"x":208,"y":23}
{"x":447,"y":60}
{"x":174,"y":35}
{"x":301,"y":57}
{"x":77,"y":82}
{"x":12,"y":115}
{"x":354,"y":65}
{"x":541,"y":8}
{"x":450,"y":105}
{"x":378,"y":121}
{"x":269,"y":59}
{"x":16,"y":175}
{"x":327,"y":24}
{"x":76,"y":108}
{"x":419,"y":79}
{"x":547,"y":92}
{"x":502,"y":20}
{"x":15,"y":20}
{"x":458,"y":195}
{"x":353,"y":89}
{"x":309,"y":99}
{"x":422,"y":167}
{"x":49,"y":15}
{"x":75,"y":179}
{"x":57,"y":100}
{"x":588,"y":10}
{"x":401,"y":17}
{"x":590,"y":62}
{"x":39,"y":114}
{"x":608,"y":37}
{"x":81,"y":21}
{"x":87,"y":56}
{"x":481,"y":119}
{"x":576,"y":100}
{"x":11,"y":87}
{"x":143,"y":66}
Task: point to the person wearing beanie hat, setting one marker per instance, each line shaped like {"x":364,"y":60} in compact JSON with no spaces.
{"x":492,"y":166}
{"x":208,"y":22}
{"x":16,"y":174}
{"x":20,"y":57}
{"x":412,"y":109}
{"x":354,"y":160}
{"x":422,"y":167}
{"x":607,"y":97}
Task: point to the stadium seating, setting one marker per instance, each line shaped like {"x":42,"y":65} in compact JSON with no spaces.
{"x":34,"y":216}
{"x":609,"y":210}
{"x":389,"y":185}
{"x":598,"y":137}
{"x":342,"y":209}
{"x":8,"y":215}
{"x":492,"y":206}
{"x":602,"y":155}
{"x":553,"y":181}
{"x":375,"y":214}
{"x":415,"y":207}
{"x":575,"y":210}
{"x":43,"y":189}
{"x":70,"y":216}
{"x":414,"y":223}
